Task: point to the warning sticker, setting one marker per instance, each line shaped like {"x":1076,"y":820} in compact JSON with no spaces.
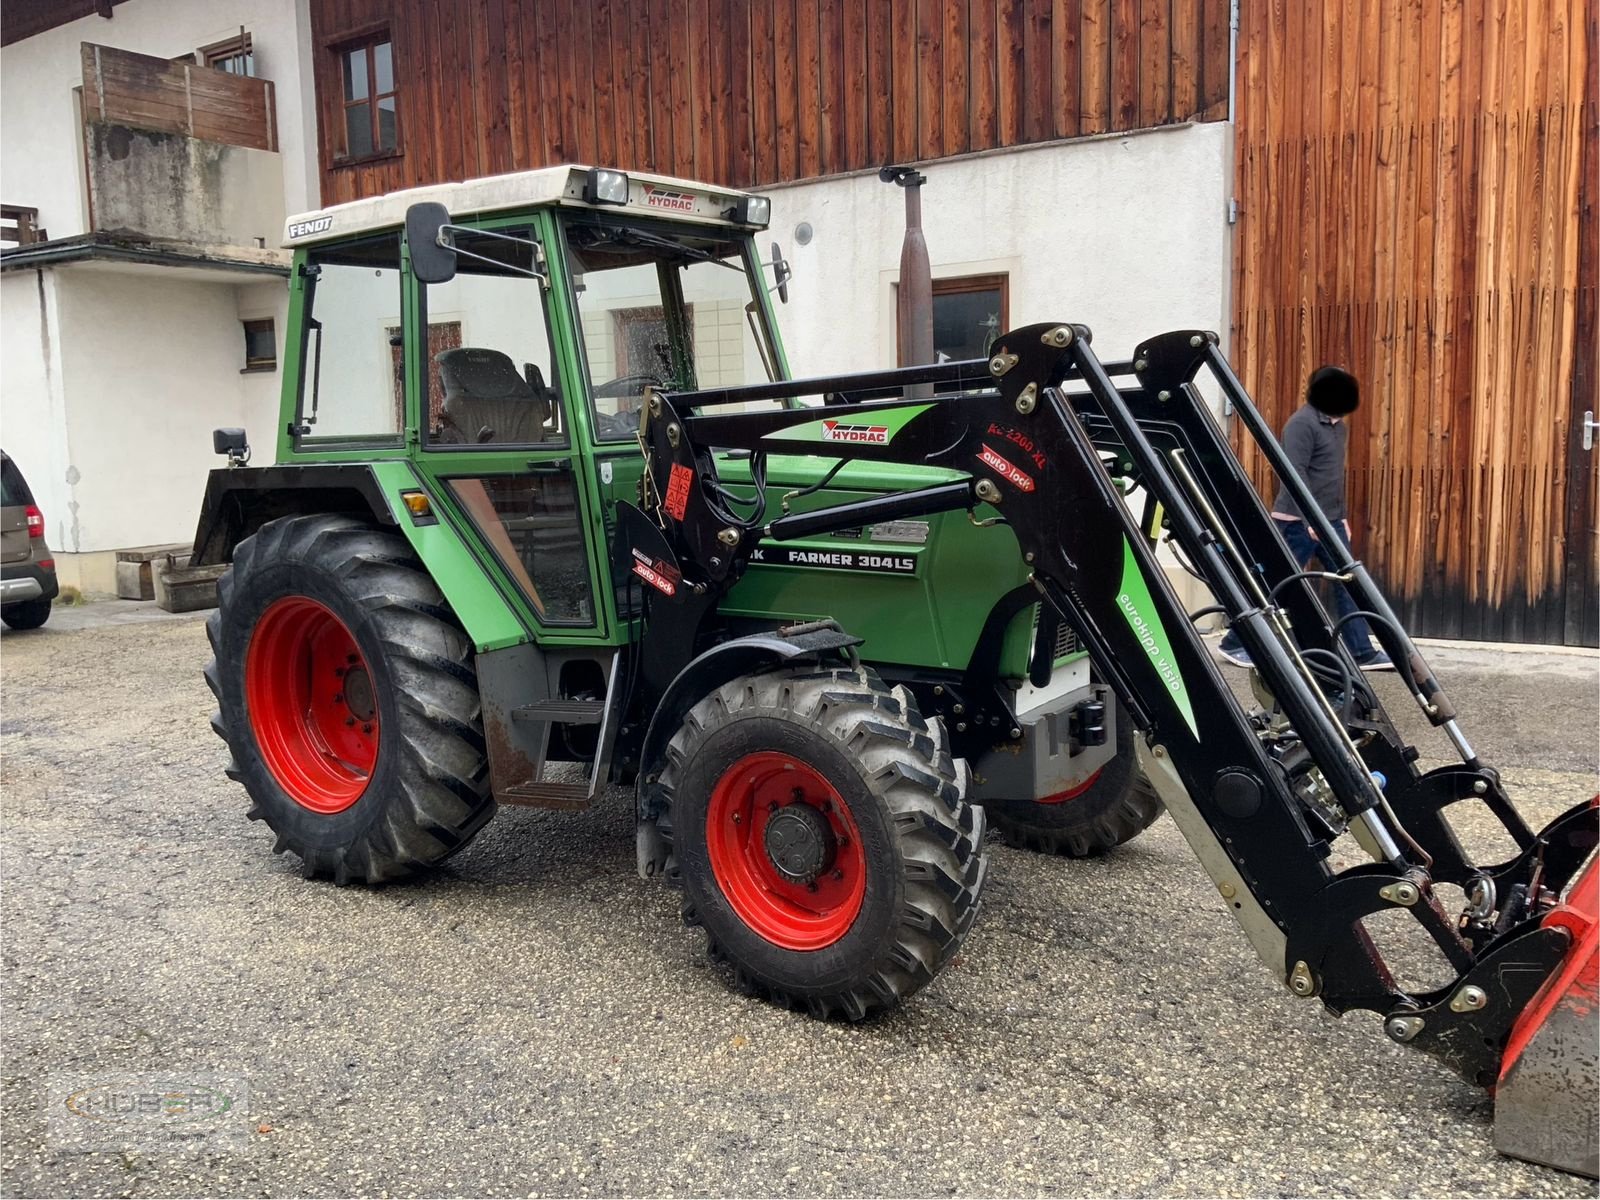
{"x":1013,"y":475}
{"x":659,"y":575}
{"x":677,"y":499}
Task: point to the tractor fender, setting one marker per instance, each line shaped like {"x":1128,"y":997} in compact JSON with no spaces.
{"x":749,"y":655}
{"x":240,"y":500}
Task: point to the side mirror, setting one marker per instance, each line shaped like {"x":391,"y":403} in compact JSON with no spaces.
{"x":781,"y":274}
{"x":433,"y":252}
{"x":233,"y":443}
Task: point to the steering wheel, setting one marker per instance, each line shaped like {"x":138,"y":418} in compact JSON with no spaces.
{"x":626,"y":385}
{"x":615,"y":427}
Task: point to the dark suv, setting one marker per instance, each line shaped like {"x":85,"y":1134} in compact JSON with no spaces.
{"x":27,"y":571}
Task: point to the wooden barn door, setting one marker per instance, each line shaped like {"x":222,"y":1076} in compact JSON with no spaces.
{"x":1416,"y":182}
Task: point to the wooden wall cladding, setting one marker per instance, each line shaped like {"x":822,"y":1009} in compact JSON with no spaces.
{"x":1416,"y":184}
{"x":751,"y":92}
{"x":21,"y":19}
{"x":200,"y":102}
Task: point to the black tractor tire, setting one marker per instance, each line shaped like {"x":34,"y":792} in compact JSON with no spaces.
{"x":887,"y":778}
{"x":25,"y":614}
{"x":1116,"y":808}
{"x":426,"y":791}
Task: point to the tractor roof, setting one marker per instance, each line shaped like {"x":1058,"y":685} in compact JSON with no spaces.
{"x":659,"y":195}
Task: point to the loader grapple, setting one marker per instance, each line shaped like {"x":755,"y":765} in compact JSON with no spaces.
{"x":1050,"y":440}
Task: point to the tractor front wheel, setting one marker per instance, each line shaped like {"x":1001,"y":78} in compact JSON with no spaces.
{"x":821,"y":836}
{"x":347,"y":695}
{"x":1113,"y":806}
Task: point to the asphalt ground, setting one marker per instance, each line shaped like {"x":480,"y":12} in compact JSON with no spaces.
{"x":533,"y":1019}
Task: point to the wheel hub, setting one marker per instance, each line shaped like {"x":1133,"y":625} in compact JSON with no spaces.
{"x":785,"y":850}
{"x":357,"y":693}
{"x":311,"y":704}
{"x":799,"y":843}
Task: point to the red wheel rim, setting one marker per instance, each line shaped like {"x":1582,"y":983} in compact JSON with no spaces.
{"x":1072,"y":793}
{"x":311,"y":704}
{"x":769,"y":804}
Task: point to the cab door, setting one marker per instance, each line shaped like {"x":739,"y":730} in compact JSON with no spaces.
{"x":492,"y":413}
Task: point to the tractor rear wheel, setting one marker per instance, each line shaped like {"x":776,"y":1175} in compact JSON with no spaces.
{"x":821,"y":836}
{"x":1114,"y":806}
{"x":347,"y":694}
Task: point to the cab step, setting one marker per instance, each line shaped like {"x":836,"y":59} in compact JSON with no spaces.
{"x":561,"y":711}
{"x":544,"y":793}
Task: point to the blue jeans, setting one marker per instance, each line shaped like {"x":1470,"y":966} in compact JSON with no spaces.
{"x":1357,"y":637}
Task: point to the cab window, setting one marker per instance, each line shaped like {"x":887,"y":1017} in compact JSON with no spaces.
{"x":661,"y":307}
{"x":532,"y":523}
{"x":350,"y":386}
{"x":491,"y":376}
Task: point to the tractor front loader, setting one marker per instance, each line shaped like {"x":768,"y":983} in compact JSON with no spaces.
{"x":1049,"y":443}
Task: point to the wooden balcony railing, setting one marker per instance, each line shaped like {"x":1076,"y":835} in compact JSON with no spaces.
{"x":153,"y":93}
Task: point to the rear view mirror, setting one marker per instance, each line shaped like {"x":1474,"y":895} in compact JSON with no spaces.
{"x":233,"y":443}
{"x":432,"y":247}
{"x":781,"y":274}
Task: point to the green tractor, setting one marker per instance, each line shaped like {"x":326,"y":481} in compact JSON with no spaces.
{"x":432,"y":598}
{"x":547,"y":494}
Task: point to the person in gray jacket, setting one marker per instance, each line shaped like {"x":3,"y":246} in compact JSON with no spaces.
{"x":1316,"y":439}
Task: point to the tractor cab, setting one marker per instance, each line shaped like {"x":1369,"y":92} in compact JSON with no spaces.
{"x":500,"y":335}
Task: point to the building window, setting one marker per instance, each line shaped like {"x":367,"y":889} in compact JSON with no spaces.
{"x":644,"y":340}
{"x":260,"y":346}
{"x":371,"y":120}
{"x":968,"y":313}
{"x":234,"y":56}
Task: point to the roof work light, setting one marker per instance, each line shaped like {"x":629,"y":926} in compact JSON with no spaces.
{"x":752,"y":210}
{"x":605,"y":187}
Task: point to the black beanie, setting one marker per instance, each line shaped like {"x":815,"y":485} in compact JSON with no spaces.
{"x":1333,"y":391}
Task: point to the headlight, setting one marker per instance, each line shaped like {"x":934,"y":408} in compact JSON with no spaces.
{"x":605,"y":187}
{"x":753,"y":210}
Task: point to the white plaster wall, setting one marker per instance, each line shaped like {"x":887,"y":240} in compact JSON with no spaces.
{"x":41,"y":150}
{"x":259,"y":391}
{"x":114,"y":435}
{"x":1126,"y":234}
{"x":163,"y":372}
{"x":33,"y":426}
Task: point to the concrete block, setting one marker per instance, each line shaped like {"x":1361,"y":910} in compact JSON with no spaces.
{"x":134,"y":581}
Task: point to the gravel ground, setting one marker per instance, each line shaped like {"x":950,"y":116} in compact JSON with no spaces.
{"x":535,"y":1020}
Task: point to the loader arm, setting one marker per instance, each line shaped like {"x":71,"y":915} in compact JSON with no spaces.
{"x":1260,"y":796}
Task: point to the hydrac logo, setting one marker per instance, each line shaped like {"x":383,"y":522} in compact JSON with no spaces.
{"x":662,"y":198}
{"x":871,"y":435}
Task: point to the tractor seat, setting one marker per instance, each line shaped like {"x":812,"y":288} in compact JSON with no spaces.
{"x":487,"y":400}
